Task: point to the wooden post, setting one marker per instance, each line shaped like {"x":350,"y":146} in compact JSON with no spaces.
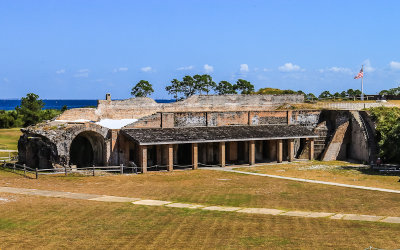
{"x":195,"y":156}
{"x":14,"y":167}
{"x":121,"y":170}
{"x":222,"y":154}
{"x":36,"y":171}
{"x":279,"y":151}
{"x":93,"y":169}
{"x":24,"y":169}
{"x":252,"y":152}
{"x":311,"y":152}
{"x":170,"y":148}
{"x":290,"y":150}
{"x":65,"y":169}
{"x":143,"y":158}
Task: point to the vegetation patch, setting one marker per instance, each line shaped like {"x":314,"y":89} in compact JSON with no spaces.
{"x":388,"y":132}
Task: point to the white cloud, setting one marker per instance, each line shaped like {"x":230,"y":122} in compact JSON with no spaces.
{"x":337,"y":70}
{"x":190,"y":67}
{"x":60,"y":71}
{"x":244,"y":68}
{"x":82,"y":73}
{"x":5,"y":79}
{"x":290,"y":67}
{"x":266,"y":69}
{"x":121,"y":69}
{"x":146,"y":69}
{"x":394,"y":65}
{"x":208,"y":68}
{"x":367,"y":66}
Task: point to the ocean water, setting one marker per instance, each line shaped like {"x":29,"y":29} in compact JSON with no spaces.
{"x":8,"y":104}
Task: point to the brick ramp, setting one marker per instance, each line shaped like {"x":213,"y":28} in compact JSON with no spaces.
{"x":333,"y":149}
{"x":146,"y":202}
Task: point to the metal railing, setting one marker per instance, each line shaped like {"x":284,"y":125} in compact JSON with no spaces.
{"x":35,"y":172}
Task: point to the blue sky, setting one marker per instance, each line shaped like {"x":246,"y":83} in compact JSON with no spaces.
{"x":83,"y":49}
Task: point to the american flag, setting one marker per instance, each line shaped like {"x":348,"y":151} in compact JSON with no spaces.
{"x":360,"y":75}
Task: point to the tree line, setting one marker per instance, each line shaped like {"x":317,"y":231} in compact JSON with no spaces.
{"x":204,"y":84}
{"x":197,"y":84}
{"x":30,"y":112}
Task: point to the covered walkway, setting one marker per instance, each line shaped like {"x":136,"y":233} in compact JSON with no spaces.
{"x":194,"y":146}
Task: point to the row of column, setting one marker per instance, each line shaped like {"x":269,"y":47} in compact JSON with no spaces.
{"x":222,"y":159}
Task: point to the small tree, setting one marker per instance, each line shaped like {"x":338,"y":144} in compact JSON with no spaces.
{"x":204,"y":83}
{"x":175,"y":88}
{"x":357,"y":92}
{"x":225,"y":88}
{"x":30,"y":109}
{"x":199,"y":84}
{"x":351,"y":93}
{"x":64,"y":108}
{"x":142,"y":89}
{"x":188,"y":86}
{"x":325,"y":94}
{"x":384,"y":92}
{"x":244,"y":86}
{"x":310,"y":96}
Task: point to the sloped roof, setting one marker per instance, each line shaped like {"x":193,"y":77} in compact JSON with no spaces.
{"x":154,"y":136}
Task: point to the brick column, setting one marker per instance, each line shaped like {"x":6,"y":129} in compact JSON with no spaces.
{"x":311,"y":152}
{"x":195,"y":155}
{"x":290,"y":150}
{"x":113,"y":159}
{"x":279,"y":151}
{"x":222,"y":154}
{"x":159,"y":155}
{"x":170,"y":157}
{"x":289,"y":116}
{"x":252,"y":152}
{"x":143,"y":158}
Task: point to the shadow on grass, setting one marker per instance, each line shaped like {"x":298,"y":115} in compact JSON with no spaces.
{"x":368,"y":170}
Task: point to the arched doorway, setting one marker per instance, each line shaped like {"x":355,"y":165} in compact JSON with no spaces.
{"x":87,"y":149}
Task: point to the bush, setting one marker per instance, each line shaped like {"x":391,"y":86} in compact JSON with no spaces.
{"x":29,"y":113}
{"x":6,"y":119}
{"x":388,"y":132}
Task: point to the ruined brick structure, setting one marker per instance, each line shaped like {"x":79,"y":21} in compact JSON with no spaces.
{"x":199,"y":131}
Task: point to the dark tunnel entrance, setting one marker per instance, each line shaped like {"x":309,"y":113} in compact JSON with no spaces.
{"x":87,"y":150}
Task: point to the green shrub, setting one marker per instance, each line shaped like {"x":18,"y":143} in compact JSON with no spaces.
{"x":388,"y":132}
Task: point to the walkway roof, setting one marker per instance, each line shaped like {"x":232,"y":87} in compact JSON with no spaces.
{"x":156,"y":136}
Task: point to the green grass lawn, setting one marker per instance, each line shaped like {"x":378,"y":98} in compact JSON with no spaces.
{"x":221,"y":188}
{"x":9,"y":140}
{"x":48,"y":223}
{"x":56,"y":223}
{"x":332,"y":171}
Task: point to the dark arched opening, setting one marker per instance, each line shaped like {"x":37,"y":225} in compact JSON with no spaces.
{"x":87,"y":149}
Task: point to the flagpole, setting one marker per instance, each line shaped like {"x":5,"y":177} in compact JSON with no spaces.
{"x":362,"y":84}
